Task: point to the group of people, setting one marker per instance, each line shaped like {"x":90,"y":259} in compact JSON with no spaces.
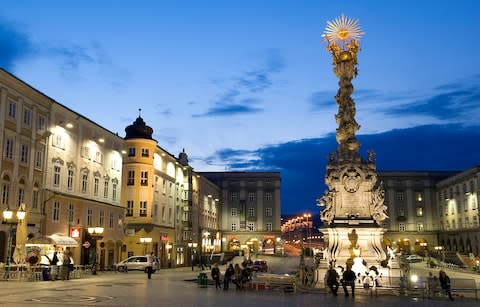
{"x":348,"y":280}
{"x":233,"y":274}
{"x":61,"y":271}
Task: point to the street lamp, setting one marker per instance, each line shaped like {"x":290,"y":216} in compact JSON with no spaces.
{"x":307,"y":216}
{"x":439,"y":250}
{"x":145,"y":241}
{"x":192,"y":246}
{"x":7,"y":216}
{"x":95,"y":234}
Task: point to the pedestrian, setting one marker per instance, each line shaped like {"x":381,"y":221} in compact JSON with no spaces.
{"x":237,"y":277}
{"x":331,"y":278}
{"x":66,"y":261}
{"x":348,"y":279}
{"x":53,"y":266}
{"x":229,"y":272}
{"x":149,"y":265}
{"x":216,"y":276}
{"x":445,"y":283}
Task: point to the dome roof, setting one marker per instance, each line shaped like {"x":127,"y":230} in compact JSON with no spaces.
{"x":138,"y":130}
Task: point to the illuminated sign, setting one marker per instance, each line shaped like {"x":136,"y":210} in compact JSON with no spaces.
{"x":75,"y":232}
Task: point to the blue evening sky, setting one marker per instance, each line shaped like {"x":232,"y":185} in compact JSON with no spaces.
{"x":248,"y":85}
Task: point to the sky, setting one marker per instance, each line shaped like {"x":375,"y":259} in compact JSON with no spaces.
{"x":248,"y":85}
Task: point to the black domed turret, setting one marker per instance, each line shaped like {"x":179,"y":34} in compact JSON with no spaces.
{"x":138,"y":130}
{"x":183,"y":158}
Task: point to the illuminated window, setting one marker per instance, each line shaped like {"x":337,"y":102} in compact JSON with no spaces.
{"x":419,"y":226}
{"x":401,"y":227}
{"x":234,"y":227}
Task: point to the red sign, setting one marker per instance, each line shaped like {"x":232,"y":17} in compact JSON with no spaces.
{"x":75,"y":232}
{"x":164,"y":237}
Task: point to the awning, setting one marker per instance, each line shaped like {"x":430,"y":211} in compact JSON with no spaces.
{"x":55,"y":239}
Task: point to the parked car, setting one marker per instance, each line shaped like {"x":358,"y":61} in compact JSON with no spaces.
{"x":259,"y":266}
{"x":414,"y":258}
{"x":134,"y":263}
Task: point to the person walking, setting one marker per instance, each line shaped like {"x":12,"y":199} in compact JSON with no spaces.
{"x":229,"y":272}
{"x":53,"y":266}
{"x":445,"y":283}
{"x":331,"y":278}
{"x":216,"y":276}
{"x":237,"y":277}
{"x":348,"y":279}
{"x":66,"y":261}
{"x":149,"y":265}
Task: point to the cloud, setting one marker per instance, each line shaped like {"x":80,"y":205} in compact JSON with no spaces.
{"x":454,"y":102}
{"x":240,"y":93}
{"x":302,"y":163}
{"x":14,"y":45}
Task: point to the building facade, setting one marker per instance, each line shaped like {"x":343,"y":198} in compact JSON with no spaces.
{"x":458,"y":213}
{"x":250,"y":215}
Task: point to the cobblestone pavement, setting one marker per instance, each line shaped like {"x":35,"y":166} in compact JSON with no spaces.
{"x":176,"y":287}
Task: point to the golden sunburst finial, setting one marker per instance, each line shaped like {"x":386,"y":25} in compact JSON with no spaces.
{"x":342,"y":31}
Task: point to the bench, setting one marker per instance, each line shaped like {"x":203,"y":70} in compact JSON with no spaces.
{"x":270,"y":281}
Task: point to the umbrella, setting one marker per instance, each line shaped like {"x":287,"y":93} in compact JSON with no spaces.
{"x":20,"y":241}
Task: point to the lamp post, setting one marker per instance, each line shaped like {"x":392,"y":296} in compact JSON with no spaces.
{"x":439,"y":250}
{"x":192,"y":246}
{"x":307,"y":216}
{"x":95,"y":234}
{"x":145,"y":242}
{"x":7,"y":216}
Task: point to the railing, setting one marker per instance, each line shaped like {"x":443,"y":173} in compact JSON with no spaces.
{"x":24,"y":272}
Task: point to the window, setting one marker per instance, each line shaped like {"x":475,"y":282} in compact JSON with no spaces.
{"x":70,"y":179}
{"x":234,"y":227}
{"x":24,"y":153}
{"x":164,"y":188}
{"x":89,"y":217}
{"x":131,"y":178}
{"x":106,"y":181}
{"x":5,"y":189}
{"x":418,"y":196}
{"x":58,"y":141}
{"x":86,"y":152}
{"x":401,"y":211}
{"x":21,"y":196}
{"x":250,"y":226}
{"x":268,"y":227}
{"x":145,"y":152}
{"x":131,"y":152}
{"x":419,"y":211}
{"x":143,"y":208}
{"x":71,"y":213}
{"x":56,"y":211}
{"x":98,"y":157}
{"x":401,"y":227}
{"x":12,"y":109}
{"x":27,"y":115}
{"x":35,"y":198}
{"x":110,"y":220}
{"x":84,"y":182}
{"x":41,"y":123}
{"x":129,"y":208}
{"x":144,"y":178}
{"x":251,"y":196}
{"x":114,"y":191}
{"x":251,"y":212}
{"x":96,"y":182}
{"x":9,"y":145}
{"x":399,"y":195}
{"x":268,"y":212}
{"x":234,"y":196}
{"x":56,"y":176}
{"x":39,"y":159}
{"x":419,"y":226}
{"x":101,"y":218}
{"x":268,"y":196}
{"x":234,"y":212}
